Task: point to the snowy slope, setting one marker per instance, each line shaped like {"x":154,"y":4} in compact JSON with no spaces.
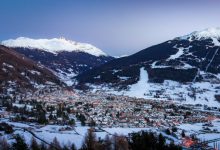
{"x":204,"y":34}
{"x":18,"y":73}
{"x":138,"y":89}
{"x":184,"y":93}
{"x":54,"y":45}
{"x":64,"y":57}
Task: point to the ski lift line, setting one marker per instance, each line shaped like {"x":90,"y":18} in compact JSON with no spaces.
{"x":197,"y":74}
{"x":207,"y":67}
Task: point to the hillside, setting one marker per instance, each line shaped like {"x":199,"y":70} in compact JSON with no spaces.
{"x":185,"y":69}
{"x":19,"y":73}
{"x":66,"y":58}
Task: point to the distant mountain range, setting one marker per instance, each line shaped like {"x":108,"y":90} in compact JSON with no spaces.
{"x":66,"y":58}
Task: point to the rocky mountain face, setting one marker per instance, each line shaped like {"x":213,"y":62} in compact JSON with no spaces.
{"x":19,"y":73}
{"x":65,"y":58}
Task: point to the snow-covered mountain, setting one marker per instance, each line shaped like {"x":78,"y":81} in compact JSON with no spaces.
{"x":186,"y":69}
{"x":20,"y":74}
{"x":213,"y":33}
{"x":66,"y":58}
{"x":54,"y":45}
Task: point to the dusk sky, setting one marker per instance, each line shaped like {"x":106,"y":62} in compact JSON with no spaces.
{"x":117,"y":27}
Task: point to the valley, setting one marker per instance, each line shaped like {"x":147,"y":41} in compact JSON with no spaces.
{"x":61,"y":89}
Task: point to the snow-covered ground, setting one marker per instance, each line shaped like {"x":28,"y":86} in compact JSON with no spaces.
{"x":178,"y":54}
{"x":199,"y":130}
{"x":74,"y":136}
{"x":190,"y":93}
{"x":66,"y":77}
{"x":54,"y":45}
{"x":140,"y":87}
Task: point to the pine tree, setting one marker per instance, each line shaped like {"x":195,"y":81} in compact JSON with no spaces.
{"x":65,"y":148}
{"x":55,"y":145}
{"x":73,"y":147}
{"x":43,"y":146}
{"x":183,"y":133}
{"x":108,"y":143}
{"x":161,"y":142}
{"x":34,"y":145}
{"x":19,"y":144}
{"x":42,"y":117}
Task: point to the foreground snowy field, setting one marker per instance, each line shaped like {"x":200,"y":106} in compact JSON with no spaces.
{"x":73,"y":136}
{"x":77,"y":134}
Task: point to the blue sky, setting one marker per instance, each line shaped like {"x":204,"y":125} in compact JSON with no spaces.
{"x":117,"y":27}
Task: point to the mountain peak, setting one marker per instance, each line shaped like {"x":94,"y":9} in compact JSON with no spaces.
{"x":54,"y":45}
{"x":209,"y":33}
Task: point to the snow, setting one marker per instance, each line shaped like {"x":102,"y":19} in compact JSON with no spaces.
{"x":124,"y":78}
{"x":153,"y":65}
{"x":138,"y":89}
{"x":215,"y":42}
{"x":198,"y":130}
{"x":74,"y":136}
{"x":178,"y":54}
{"x":7,"y":65}
{"x":189,"y":93}
{"x":187,"y":66}
{"x":65,"y":76}
{"x":121,"y":56}
{"x":213,"y":33}
{"x":54,"y":45}
{"x":35,"y":72}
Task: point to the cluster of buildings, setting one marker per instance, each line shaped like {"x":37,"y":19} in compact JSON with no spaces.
{"x":108,"y":110}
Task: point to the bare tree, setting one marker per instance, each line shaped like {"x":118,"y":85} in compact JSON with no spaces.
{"x":4,"y":144}
{"x":89,"y":141}
{"x":119,"y":142}
{"x":108,"y":143}
{"x":34,"y":145}
{"x":55,"y":145}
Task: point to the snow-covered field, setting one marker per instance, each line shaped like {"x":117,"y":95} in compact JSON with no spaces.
{"x":74,"y":136}
{"x":190,"y":93}
{"x":200,"y":130}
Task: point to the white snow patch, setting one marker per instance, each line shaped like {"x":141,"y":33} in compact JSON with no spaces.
{"x":216,"y":42}
{"x":213,"y":33}
{"x":7,"y":65}
{"x":66,"y":77}
{"x":35,"y":72}
{"x":140,"y":88}
{"x":54,"y":45}
{"x":178,"y":54}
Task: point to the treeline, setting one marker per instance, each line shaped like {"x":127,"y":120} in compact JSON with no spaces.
{"x":136,"y":141}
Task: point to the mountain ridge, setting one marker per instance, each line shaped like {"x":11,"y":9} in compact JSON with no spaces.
{"x":183,"y":69}
{"x":54,"y":45}
{"x":64,"y":57}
